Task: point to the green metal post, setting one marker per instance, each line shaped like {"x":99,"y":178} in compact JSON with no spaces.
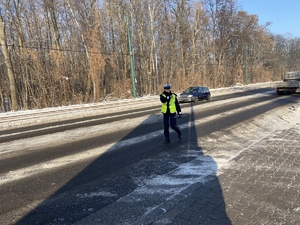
{"x":284,"y":68}
{"x":246,"y":65}
{"x":131,"y":60}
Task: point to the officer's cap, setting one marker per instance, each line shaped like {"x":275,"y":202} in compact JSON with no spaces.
{"x":167,"y":86}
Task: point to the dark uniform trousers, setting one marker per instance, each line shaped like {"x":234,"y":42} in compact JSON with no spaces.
{"x":170,"y":118}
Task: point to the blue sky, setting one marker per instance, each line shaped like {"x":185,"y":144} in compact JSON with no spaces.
{"x":284,"y":14}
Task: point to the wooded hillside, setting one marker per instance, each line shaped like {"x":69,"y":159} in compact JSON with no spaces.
{"x":62,"y":52}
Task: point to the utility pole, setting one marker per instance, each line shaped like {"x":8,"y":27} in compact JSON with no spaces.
{"x":131,"y":60}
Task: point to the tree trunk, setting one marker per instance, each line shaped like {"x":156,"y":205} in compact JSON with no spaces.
{"x":12,"y":82}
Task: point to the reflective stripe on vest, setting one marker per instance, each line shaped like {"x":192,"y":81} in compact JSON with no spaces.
{"x":172,"y":105}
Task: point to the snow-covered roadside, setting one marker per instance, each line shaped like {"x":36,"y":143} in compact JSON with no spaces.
{"x":233,"y":141}
{"x":85,"y":110}
{"x":82,"y":107}
{"x":90,"y":132}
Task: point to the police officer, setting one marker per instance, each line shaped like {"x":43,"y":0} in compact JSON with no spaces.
{"x":170,"y":106}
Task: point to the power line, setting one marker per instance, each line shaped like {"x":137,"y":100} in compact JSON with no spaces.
{"x":61,"y":50}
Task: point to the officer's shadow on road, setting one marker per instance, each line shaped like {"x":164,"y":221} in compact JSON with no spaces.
{"x":204,"y":201}
{"x":152,"y":182}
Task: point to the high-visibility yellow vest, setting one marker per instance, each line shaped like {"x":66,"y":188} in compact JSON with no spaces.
{"x":172,"y":105}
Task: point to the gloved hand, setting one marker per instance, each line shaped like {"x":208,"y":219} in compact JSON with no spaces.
{"x":179,"y":114}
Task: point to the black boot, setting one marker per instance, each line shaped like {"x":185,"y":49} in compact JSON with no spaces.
{"x":179,"y":135}
{"x":167,"y":141}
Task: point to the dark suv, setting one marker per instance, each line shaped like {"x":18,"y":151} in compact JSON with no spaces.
{"x":194,"y":94}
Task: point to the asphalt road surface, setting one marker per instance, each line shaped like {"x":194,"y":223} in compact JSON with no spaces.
{"x":123,"y":183}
